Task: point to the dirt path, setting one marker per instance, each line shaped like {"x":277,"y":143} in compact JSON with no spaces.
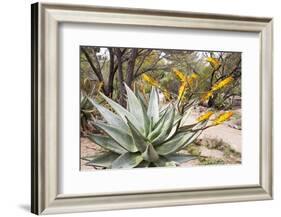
{"x":224,"y":132}
{"x":227,"y":134}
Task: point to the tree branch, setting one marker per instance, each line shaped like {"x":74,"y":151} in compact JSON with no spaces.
{"x":142,"y":60}
{"x":98,"y":73}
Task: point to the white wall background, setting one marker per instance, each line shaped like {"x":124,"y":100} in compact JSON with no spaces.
{"x":15,"y":106}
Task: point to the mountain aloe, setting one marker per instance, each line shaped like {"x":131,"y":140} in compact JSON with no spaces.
{"x":143,"y":135}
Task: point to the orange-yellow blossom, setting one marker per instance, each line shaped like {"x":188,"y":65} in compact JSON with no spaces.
{"x":150,"y":80}
{"x":205,"y":116}
{"x":215,"y":63}
{"x":207,"y":95}
{"x":182,"y":90}
{"x":180,"y":75}
{"x":222,"y":118}
{"x":191,"y":78}
{"x":194,"y":76}
{"x":153,"y":82}
{"x":185,"y":78}
{"x":222,"y":83}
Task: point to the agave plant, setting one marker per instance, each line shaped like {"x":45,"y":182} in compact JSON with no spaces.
{"x":143,"y":135}
{"x":86,"y":117}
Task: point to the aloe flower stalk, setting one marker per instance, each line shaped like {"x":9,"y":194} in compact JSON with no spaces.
{"x":143,"y":135}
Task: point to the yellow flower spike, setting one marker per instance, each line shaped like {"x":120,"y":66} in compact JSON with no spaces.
{"x":167,"y":94}
{"x":222,"y":118}
{"x":222,"y":83}
{"x":194,"y":76}
{"x":191,"y":79}
{"x":214,"y":62}
{"x":207,"y":95}
{"x":150,"y":80}
{"x":182,"y":90}
{"x":205,"y":116}
{"x":181,"y":76}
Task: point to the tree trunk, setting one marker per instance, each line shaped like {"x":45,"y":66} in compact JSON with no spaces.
{"x":131,"y":66}
{"x":120,"y":78}
{"x":112,"y":71}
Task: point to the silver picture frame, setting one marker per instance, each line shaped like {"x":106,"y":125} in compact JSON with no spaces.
{"x":45,"y":20}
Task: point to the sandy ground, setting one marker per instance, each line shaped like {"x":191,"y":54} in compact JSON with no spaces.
{"x":222,"y":132}
{"x":88,"y":148}
{"x":228,"y":134}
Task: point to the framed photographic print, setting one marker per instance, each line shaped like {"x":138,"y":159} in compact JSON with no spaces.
{"x":143,"y":108}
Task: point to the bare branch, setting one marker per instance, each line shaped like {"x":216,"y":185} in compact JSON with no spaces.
{"x":96,"y":71}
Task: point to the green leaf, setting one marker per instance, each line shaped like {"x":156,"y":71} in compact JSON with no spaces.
{"x":180,"y":158}
{"x":104,"y":160}
{"x":158,"y":126}
{"x":163,"y":109}
{"x":150,"y":124}
{"x":83,"y":101}
{"x":174,"y":144}
{"x":141,"y":99}
{"x":86,"y":103}
{"x":185,"y":116}
{"x":150,"y":154}
{"x":107,"y":143}
{"x":174,"y":128}
{"x":166,"y":128}
{"x":187,"y":127}
{"x":88,"y":158}
{"x":110,"y":117}
{"x":127,"y":160}
{"x":134,"y":105}
{"x":197,"y":133}
{"x":200,"y":125}
{"x":179,"y":141}
{"x":138,"y":139}
{"x":137,"y":109}
{"x":153,"y":105}
{"x":194,"y":127}
{"x":124,"y":139}
{"x":164,"y":162}
{"x":123,"y":113}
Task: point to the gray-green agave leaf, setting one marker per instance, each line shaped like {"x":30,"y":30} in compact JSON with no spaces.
{"x":141,"y":135}
{"x":179,"y":140}
{"x":109,"y":116}
{"x":136,"y":109}
{"x":123,"y":113}
{"x":150,"y":154}
{"x":138,"y":139}
{"x":117,"y":134}
{"x":127,"y":160}
{"x":107,"y":143}
{"x":153,"y":105}
{"x":103,"y":160}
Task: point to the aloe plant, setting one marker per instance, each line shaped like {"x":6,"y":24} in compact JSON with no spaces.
{"x":86,"y":117}
{"x":143,"y":135}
